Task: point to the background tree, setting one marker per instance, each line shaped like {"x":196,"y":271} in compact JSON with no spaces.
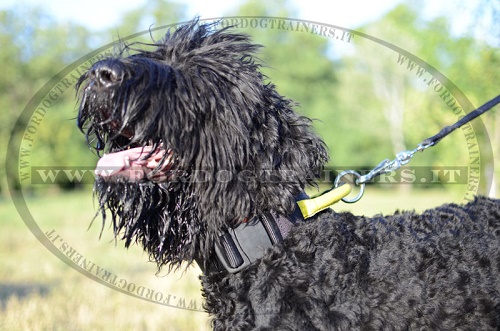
{"x":32,"y":53}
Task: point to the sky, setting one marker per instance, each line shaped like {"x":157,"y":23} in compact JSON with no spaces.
{"x":105,"y":15}
{"x":98,"y":15}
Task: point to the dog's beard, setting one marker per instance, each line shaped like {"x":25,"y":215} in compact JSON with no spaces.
{"x":158,"y":216}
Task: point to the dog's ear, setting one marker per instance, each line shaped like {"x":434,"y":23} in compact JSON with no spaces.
{"x":292,"y":152}
{"x":260,"y":155}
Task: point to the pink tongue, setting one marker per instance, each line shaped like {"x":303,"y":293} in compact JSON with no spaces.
{"x":129,"y":163}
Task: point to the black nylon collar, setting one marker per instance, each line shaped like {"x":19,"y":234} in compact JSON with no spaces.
{"x":239,"y":247}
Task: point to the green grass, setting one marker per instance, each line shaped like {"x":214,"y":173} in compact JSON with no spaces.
{"x":38,"y":291}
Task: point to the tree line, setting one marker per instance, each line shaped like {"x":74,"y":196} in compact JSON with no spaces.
{"x":371,"y":92}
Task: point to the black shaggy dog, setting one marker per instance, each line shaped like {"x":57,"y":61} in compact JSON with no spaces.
{"x":204,"y":162}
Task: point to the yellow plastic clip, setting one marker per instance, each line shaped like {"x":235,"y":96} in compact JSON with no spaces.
{"x":309,"y":207}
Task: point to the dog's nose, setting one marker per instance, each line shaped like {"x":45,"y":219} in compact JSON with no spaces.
{"x":107,"y":74}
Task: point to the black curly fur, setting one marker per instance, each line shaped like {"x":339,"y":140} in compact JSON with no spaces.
{"x":435,"y":271}
{"x":199,"y":93}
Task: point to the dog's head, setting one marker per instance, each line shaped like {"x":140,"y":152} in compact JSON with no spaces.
{"x":199,"y":141}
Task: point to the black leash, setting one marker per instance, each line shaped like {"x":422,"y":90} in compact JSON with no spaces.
{"x":464,"y":120}
{"x":403,"y":158}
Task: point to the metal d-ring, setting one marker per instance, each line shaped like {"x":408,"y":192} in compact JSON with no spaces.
{"x":337,"y":183}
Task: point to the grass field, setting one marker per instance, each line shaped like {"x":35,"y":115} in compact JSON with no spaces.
{"x":41,"y":291}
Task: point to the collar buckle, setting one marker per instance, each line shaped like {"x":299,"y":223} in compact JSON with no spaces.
{"x":239,"y":247}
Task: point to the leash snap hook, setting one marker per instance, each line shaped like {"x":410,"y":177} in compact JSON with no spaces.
{"x":382,"y":168}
